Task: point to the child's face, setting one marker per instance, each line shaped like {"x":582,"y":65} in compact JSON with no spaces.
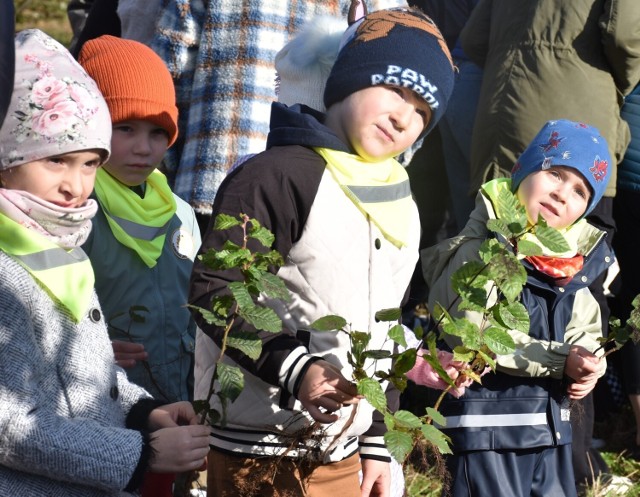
{"x":65,"y":180}
{"x":137,"y":147}
{"x":379,"y":122}
{"x":559,"y":194}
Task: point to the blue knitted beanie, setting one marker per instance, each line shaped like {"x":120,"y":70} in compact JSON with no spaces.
{"x":400,"y":47}
{"x":570,"y":144}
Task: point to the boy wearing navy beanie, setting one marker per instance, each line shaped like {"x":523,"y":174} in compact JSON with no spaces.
{"x":339,"y":204}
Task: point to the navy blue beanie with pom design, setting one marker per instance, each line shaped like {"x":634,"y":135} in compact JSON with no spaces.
{"x":399,"y":47}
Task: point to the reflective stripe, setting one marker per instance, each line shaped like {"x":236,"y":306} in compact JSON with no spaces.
{"x":140,"y":231}
{"x":480,"y":420}
{"x":51,"y":258}
{"x":385,"y":193}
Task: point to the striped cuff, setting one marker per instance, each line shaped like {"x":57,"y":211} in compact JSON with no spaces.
{"x":293,"y":367}
{"x":374,"y":448}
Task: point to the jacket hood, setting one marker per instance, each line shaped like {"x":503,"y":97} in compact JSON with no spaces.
{"x":301,"y":125}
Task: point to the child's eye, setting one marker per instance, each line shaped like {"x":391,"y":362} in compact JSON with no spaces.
{"x":124,"y":128}
{"x":93,"y":164}
{"x":581,"y":193}
{"x":56,"y":160}
{"x":160,"y":132}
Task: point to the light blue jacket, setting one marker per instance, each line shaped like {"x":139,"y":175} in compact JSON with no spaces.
{"x":148,"y":305}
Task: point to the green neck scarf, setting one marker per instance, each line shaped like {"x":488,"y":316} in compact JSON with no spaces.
{"x":571,"y":233}
{"x":140,"y":223}
{"x":379,"y":189}
{"x":66,"y":275}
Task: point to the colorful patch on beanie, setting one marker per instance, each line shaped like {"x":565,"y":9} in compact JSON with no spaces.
{"x":599,"y":169}
{"x":554,"y":142}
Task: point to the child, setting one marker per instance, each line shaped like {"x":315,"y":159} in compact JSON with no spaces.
{"x":144,"y":238}
{"x":71,"y":422}
{"x":511,"y":436}
{"x":340,"y":208}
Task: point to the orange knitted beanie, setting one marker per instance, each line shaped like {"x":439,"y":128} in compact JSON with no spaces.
{"x":134,"y":81}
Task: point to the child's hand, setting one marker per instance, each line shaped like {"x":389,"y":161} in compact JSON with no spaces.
{"x":581,"y":365}
{"x":423,"y":374}
{"x":127,"y":353}
{"x":183,"y":448}
{"x":324,"y":387}
{"x":580,"y":389}
{"x":172,"y":415}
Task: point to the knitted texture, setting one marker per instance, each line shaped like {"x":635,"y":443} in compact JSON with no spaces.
{"x":571,"y":144}
{"x":398,"y":47}
{"x":55,"y":107}
{"x":134,"y":80}
{"x":304,"y":63}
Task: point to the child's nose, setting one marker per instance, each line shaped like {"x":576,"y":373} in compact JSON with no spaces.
{"x":143,"y":145}
{"x":402,"y":115}
{"x":72,"y":184}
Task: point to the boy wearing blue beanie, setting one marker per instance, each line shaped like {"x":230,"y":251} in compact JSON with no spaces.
{"x":340,"y":208}
{"x":511,"y":436}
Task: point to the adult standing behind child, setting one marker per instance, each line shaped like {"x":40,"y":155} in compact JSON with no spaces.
{"x":340,"y":208}
{"x":144,"y":238}
{"x":72,"y":424}
{"x":511,"y":435}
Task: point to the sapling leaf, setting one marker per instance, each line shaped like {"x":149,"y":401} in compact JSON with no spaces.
{"x":246,"y":342}
{"x":359,"y":342}
{"x":372,"y":391}
{"x":468,"y":332}
{"x":436,"y":438}
{"x":389,"y":315}
{"x":551,"y":238}
{"x":396,"y":333}
{"x":432,"y":359}
{"x":435,"y":415}
{"x":224,"y":222}
{"x":376,"y":354}
{"x":406,"y":419}
{"x":488,"y":359}
{"x":508,"y":274}
{"x":527,"y":248}
{"x":404,"y":361}
{"x":273,"y":287}
{"x":512,"y":315}
{"x":208,"y":316}
{"x":399,"y":444}
{"x":262,"y":318}
{"x":329,"y":323}
{"x":463,"y":354}
{"x":499,"y":226}
{"x":231,"y":381}
{"x":499,"y":341}
{"x":488,"y":249}
{"x":241,"y":294}
{"x":263,"y":235}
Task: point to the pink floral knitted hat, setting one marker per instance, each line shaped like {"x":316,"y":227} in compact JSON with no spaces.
{"x":56,"y":108}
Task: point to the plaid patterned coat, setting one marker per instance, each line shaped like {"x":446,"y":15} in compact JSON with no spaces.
{"x":221,"y":55}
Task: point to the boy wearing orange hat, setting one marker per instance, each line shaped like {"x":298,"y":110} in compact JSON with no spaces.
{"x":144,"y":237}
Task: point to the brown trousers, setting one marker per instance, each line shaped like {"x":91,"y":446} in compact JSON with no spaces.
{"x":233,"y":476}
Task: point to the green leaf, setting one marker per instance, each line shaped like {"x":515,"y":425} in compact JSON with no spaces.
{"x":262,"y":318}
{"x":399,"y":444}
{"x":488,"y":360}
{"x":329,"y":323}
{"x":512,"y":315}
{"x":432,"y":359}
{"x":263,"y":235}
{"x":231,"y":381}
{"x":200,"y":406}
{"x":435,"y":415}
{"x":468,"y":281}
{"x":209,"y":316}
{"x":499,"y":341}
{"x":406,"y":419}
{"x":389,"y":315}
{"x":241,"y":294}
{"x":372,"y":391}
{"x":489,"y":248}
{"x":396,"y":333}
{"x":508,"y":274}
{"x":273,"y":287}
{"x":359,"y":342}
{"x":404,"y":362}
{"x":509,"y":209}
{"x":527,"y":248}
{"x":500,"y":227}
{"x":463,"y":354}
{"x":468,"y":332}
{"x":551,"y":238}
{"x":376,"y":354}
{"x":437,"y":438}
{"x":224,"y":222}
{"x":247,"y":342}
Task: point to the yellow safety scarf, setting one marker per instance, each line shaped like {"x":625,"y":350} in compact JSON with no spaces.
{"x":379,"y":189}
{"x":139,"y":223}
{"x":66,"y":275}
